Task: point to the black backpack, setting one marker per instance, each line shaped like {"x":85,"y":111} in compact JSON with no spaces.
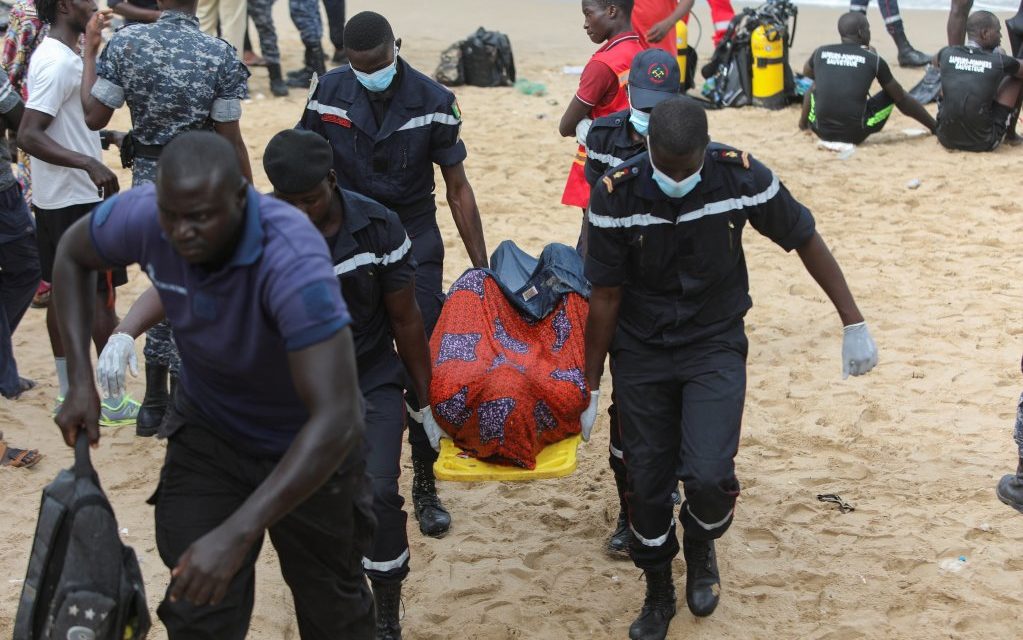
{"x":484,"y":59}
{"x":82,"y":582}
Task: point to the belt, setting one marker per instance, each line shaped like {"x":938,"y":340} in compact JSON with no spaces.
{"x":151,"y":151}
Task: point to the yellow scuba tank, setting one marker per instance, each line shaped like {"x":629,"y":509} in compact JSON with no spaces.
{"x":767,"y":45}
{"x":681,"y":44}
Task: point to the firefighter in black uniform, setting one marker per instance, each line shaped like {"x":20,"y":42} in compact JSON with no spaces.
{"x":980,"y":88}
{"x":668,"y":223}
{"x":388,"y":125}
{"x":613,"y":139}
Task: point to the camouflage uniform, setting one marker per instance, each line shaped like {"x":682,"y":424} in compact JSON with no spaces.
{"x":306,"y":16}
{"x":261,"y":13}
{"x":175,"y":78}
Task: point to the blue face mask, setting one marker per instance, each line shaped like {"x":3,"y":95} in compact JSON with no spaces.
{"x":379,"y":80}
{"x":674,"y":188}
{"x":640,"y":121}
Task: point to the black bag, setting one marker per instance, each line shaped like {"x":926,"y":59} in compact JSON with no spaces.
{"x":82,"y":582}
{"x":450,"y":72}
{"x":487,"y":59}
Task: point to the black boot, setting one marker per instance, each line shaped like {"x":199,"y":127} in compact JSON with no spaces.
{"x":313,"y":64}
{"x":154,"y":405}
{"x":908,"y":56}
{"x":1010,"y":488}
{"x":703,"y":582}
{"x":658,"y":607}
{"x":434,"y":519}
{"x":278,"y":86}
{"x":618,"y":544}
{"x":387,"y":597}
{"x":339,"y":58}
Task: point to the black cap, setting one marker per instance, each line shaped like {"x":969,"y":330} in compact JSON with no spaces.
{"x":296,"y":161}
{"x":654,"y":77}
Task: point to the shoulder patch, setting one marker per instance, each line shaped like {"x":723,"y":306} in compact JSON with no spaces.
{"x":625,"y":174}
{"x":732,"y":156}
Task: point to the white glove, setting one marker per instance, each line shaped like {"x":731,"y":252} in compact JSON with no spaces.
{"x":118,"y":355}
{"x":859,"y":353}
{"x":433,"y":430}
{"x":582,"y":130}
{"x":589,"y":416}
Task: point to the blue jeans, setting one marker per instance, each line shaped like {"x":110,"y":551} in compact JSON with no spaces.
{"x":19,"y":277}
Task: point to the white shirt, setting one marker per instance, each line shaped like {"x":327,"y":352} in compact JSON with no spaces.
{"x":54,"y":84}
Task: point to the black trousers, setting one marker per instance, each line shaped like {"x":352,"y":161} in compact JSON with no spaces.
{"x":388,"y":557}
{"x":680,"y":411}
{"x":428,"y":249}
{"x":320,"y":544}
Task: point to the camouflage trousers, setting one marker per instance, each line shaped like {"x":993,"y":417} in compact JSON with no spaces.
{"x":160,"y":348}
{"x":1017,"y":431}
{"x":261,"y":12}
{"x":306,"y":16}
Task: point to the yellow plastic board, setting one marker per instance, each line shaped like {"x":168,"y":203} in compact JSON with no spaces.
{"x":555,"y":461}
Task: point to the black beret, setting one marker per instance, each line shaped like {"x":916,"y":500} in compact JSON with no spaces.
{"x":296,"y":161}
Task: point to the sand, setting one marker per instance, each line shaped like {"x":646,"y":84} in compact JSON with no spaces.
{"x":916,"y":446}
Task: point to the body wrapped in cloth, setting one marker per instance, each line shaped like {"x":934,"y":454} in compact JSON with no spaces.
{"x":508,"y":355}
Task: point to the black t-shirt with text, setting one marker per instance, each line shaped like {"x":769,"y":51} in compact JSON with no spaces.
{"x":970,"y":77}
{"x":843,"y":74}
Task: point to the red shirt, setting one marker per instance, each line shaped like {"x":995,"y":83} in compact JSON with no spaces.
{"x":647,"y":13}
{"x":599,"y":84}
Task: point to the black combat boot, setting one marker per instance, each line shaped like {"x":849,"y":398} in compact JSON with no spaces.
{"x":434,"y":519}
{"x":703,"y":582}
{"x":1010,"y":488}
{"x":154,"y":405}
{"x":302,"y":78}
{"x":339,"y":58}
{"x":908,"y":56}
{"x":658,"y":607}
{"x":618,"y":544}
{"x":278,"y":86}
{"x":387,"y":597}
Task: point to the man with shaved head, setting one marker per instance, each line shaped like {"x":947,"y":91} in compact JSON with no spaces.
{"x":980,"y":88}
{"x":266,"y":431}
{"x":838,"y":108}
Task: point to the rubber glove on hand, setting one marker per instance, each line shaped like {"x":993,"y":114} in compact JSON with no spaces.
{"x":433,"y":430}
{"x":118,"y":355}
{"x":582,"y":130}
{"x":589,"y":416}
{"x":859,"y":353}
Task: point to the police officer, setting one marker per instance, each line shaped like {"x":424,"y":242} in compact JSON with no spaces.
{"x":167,"y":94}
{"x":980,"y":88}
{"x":305,"y":14}
{"x":261,"y":12}
{"x":837,"y":108}
{"x":388,"y":125}
{"x":669,"y":223}
{"x":613,"y":139}
{"x":373,"y":261}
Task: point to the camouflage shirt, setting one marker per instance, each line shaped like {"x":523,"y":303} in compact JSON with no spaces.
{"x":174,"y":77}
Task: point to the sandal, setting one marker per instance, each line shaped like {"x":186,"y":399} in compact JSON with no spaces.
{"x":18,"y":458}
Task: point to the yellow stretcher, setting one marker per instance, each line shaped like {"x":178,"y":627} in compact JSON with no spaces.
{"x":555,"y":461}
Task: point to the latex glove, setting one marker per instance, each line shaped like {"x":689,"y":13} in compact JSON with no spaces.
{"x":859,"y":353}
{"x":582,"y":130}
{"x":433,"y":430}
{"x":118,"y":355}
{"x":589,"y":416}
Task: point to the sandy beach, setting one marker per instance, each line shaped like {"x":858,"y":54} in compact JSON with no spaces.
{"x":916,"y":446}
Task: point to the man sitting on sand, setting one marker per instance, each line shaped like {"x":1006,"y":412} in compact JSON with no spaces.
{"x":980,"y":88}
{"x":838,"y":108}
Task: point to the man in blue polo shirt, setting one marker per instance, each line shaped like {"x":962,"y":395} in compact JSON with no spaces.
{"x":266,"y":433}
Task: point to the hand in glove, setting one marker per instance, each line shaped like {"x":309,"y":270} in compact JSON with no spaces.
{"x":859,"y":353}
{"x":589,"y":416}
{"x":582,"y":130}
{"x":433,"y":430}
{"x":118,"y":355}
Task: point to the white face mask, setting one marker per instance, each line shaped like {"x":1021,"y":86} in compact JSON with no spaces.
{"x":674,"y":188}
{"x":381,"y":79}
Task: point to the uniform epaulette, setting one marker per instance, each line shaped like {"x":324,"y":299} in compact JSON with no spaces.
{"x":732,"y":156}
{"x":619,"y":176}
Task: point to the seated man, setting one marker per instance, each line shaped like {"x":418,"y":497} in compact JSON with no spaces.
{"x":837,"y":108}
{"x":980,"y":88}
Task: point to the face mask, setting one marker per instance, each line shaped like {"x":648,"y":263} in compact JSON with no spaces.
{"x":674,"y":188}
{"x":640,"y":121}
{"x":379,"y":80}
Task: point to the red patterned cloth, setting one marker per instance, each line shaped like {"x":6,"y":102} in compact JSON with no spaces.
{"x":504,"y":388}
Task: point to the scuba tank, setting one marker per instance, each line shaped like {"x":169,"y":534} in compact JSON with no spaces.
{"x":682,"y":47}
{"x":767,"y":45}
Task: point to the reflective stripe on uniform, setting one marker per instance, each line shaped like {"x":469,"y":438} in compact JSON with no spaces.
{"x":618,"y":453}
{"x":655,"y":542}
{"x":388,"y":565}
{"x":709,"y":527}
{"x":326,"y":109}
{"x":893,"y":19}
{"x":711,"y":208}
{"x":606,"y":158}
{"x":362,"y":259}
{"x":425,"y":121}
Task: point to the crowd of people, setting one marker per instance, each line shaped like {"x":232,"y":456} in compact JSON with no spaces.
{"x":286,"y":354}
